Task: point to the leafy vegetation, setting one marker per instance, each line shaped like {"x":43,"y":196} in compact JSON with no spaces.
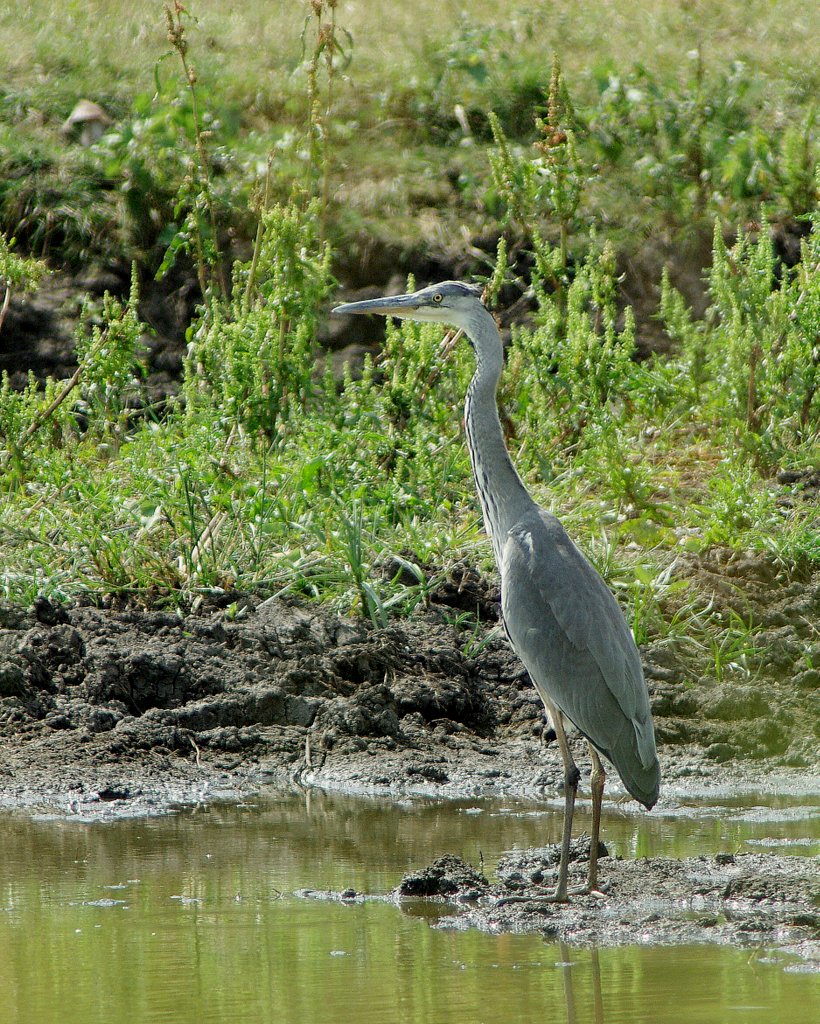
{"x":17,"y":274}
{"x":269,"y":474}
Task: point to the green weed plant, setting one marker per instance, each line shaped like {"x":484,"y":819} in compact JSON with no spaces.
{"x":268,"y":474}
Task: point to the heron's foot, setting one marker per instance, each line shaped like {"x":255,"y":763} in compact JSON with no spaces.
{"x":535,"y":897}
{"x":588,"y":890}
{"x":552,"y":896}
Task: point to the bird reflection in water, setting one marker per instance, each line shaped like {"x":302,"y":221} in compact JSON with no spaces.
{"x":567,"y":964}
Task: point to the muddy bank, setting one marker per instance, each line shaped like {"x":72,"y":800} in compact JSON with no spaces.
{"x":754,"y":900}
{"x":104,"y":710}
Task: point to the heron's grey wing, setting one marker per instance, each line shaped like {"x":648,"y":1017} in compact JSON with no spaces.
{"x":569,"y":631}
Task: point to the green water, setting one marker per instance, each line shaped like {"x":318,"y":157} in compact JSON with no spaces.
{"x":191,"y":918}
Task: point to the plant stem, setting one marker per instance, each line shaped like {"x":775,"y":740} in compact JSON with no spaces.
{"x":176,"y":35}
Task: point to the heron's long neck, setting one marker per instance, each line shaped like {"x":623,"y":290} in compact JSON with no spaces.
{"x":503,"y":497}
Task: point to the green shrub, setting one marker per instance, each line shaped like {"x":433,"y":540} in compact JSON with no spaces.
{"x":93,"y":404}
{"x":251,"y":360}
{"x":766,"y":355}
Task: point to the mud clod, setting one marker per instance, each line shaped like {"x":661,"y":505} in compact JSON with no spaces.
{"x":448,"y":877}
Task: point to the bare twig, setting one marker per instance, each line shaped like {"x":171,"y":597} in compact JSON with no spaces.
{"x":5,"y":306}
{"x":196,"y":749}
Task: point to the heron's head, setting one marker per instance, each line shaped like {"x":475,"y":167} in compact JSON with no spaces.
{"x":450,"y":302}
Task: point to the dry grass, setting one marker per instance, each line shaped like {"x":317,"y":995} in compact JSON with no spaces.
{"x":104,"y":46}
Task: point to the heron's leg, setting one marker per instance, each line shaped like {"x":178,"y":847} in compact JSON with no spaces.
{"x":597,"y":782}
{"x":571,"y":778}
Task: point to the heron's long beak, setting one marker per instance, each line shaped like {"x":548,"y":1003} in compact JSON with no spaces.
{"x":390,"y":305}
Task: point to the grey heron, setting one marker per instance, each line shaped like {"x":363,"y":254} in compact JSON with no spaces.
{"x":561,"y":619}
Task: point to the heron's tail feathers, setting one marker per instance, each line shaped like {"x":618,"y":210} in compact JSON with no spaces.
{"x":645,"y":784}
{"x":636,"y":761}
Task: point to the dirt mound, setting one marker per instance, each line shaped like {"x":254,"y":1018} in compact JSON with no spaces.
{"x":86,"y":687}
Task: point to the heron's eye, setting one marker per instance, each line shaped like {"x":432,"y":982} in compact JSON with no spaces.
{"x":437,"y":297}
